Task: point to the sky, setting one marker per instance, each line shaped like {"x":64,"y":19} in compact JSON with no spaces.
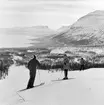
{"x":52,"y":13}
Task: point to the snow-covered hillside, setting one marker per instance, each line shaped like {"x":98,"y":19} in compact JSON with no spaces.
{"x":87,"y":30}
{"x":82,"y":88}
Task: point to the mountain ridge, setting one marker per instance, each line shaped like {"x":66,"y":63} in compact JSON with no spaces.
{"x":88,"y":30}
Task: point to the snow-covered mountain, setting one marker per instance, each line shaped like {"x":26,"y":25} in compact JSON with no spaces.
{"x":88,"y":30}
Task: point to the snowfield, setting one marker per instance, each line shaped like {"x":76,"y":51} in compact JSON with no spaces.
{"x":82,"y":88}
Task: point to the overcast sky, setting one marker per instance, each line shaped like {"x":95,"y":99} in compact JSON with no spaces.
{"x":53,"y":13}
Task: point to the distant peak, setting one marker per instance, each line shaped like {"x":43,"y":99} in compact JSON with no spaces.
{"x":96,"y":13}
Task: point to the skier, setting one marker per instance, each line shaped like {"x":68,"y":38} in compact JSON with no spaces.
{"x":33,"y":63}
{"x":66,"y":66}
{"x":82,"y":62}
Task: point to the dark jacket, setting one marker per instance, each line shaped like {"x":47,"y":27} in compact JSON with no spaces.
{"x":33,"y":63}
{"x":82,"y":61}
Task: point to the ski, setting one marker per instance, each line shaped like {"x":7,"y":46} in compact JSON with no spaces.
{"x":62,"y":79}
{"x":32,"y":87}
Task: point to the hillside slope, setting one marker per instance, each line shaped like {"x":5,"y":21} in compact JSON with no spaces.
{"x":82,"y":88}
{"x":88,"y":30}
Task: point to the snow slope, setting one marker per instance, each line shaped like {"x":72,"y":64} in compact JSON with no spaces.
{"x":83,"y":88}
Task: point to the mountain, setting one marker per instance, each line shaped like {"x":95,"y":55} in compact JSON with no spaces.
{"x":37,"y":31}
{"x":88,"y":30}
{"x":51,"y":40}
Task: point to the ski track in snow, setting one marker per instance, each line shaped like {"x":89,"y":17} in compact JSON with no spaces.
{"x":82,"y":88}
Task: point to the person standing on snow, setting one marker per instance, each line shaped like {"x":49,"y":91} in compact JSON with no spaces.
{"x":65,"y":66}
{"x":33,"y":63}
{"x":82,"y":62}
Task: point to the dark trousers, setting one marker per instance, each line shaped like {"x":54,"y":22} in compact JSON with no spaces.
{"x":82,"y":67}
{"x":31,"y":80}
{"x":66,"y":73}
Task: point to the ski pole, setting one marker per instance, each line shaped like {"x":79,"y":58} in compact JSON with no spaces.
{"x":20,"y":96}
{"x":39,"y":76}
